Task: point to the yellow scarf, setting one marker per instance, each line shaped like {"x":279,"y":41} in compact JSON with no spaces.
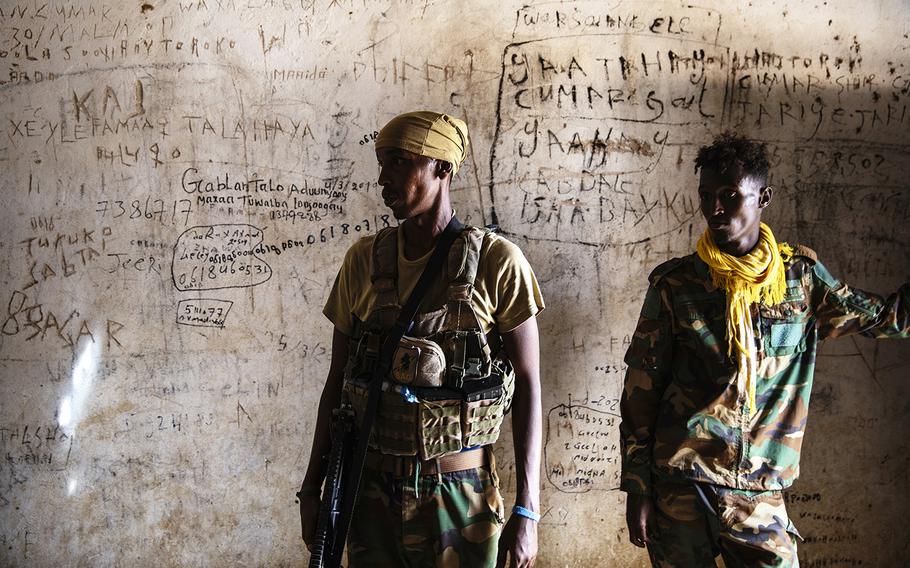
{"x":756,"y":277}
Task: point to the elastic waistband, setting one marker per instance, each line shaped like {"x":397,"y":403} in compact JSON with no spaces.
{"x":406,"y":466}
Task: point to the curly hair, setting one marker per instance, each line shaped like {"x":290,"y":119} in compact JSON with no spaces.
{"x":729,"y":149}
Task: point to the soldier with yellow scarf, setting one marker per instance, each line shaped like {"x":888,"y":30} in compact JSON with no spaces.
{"x":720,"y":370}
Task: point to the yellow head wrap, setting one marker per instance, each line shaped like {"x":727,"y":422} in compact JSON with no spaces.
{"x":757,"y":276}
{"x":429,"y":134}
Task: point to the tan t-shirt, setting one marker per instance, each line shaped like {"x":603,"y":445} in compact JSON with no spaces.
{"x":505,"y":293}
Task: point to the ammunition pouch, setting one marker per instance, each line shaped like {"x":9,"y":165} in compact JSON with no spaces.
{"x":426,"y":421}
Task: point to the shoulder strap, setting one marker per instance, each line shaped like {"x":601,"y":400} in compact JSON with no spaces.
{"x":432,"y":269}
{"x":381,"y":370}
{"x":465,"y":256}
{"x":384,"y":270}
{"x":385,"y":254}
{"x":467,"y":353}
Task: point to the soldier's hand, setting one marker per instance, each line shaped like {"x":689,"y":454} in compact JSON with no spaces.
{"x":309,"y":512}
{"x":640,"y":519}
{"x":518,"y":541}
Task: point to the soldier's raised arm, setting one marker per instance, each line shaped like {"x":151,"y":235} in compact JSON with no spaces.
{"x":843,"y":310}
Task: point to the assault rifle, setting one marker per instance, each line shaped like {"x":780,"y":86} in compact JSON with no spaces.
{"x":322,"y":554}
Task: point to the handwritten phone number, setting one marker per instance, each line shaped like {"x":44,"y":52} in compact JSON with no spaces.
{"x":166,"y":213}
{"x":200,"y":275}
{"x":326,"y":234}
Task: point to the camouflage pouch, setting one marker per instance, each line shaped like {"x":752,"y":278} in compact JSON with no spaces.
{"x":484,"y":411}
{"x":482,"y":420}
{"x":396,"y":424}
{"x":440,"y":427}
{"x":395,"y":429}
{"x":418,"y":362}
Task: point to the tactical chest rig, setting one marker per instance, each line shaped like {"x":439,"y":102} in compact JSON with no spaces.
{"x":449,"y":387}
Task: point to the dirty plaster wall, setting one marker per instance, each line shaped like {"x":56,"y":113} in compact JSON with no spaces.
{"x":156,"y":404}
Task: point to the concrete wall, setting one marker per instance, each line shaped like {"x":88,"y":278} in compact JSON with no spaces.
{"x":156,"y":408}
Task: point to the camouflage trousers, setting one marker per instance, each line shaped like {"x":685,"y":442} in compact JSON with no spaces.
{"x":452,"y":519}
{"x":695,"y":523}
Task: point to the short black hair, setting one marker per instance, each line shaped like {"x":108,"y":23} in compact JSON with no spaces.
{"x":729,"y":149}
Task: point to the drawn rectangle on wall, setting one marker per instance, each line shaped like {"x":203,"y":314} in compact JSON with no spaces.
{"x":584,"y":116}
{"x":203,"y":312}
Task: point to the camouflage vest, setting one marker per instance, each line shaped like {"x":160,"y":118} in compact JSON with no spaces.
{"x":449,"y":387}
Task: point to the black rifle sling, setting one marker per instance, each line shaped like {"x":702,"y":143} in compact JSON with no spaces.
{"x":381,"y":371}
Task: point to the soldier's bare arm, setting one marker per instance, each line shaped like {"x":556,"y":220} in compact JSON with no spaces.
{"x":330,"y":400}
{"x":519,"y":536}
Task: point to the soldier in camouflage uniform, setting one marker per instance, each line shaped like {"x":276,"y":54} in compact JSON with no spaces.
{"x":444,"y":508}
{"x":714,"y":410}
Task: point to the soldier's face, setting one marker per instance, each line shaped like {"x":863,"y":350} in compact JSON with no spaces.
{"x":732,"y":203}
{"x":410,"y":184}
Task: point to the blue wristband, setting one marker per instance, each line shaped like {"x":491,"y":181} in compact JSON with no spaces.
{"x":527,"y":513}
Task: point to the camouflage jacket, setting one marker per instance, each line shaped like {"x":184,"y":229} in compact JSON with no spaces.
{"x":683,"y":413}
